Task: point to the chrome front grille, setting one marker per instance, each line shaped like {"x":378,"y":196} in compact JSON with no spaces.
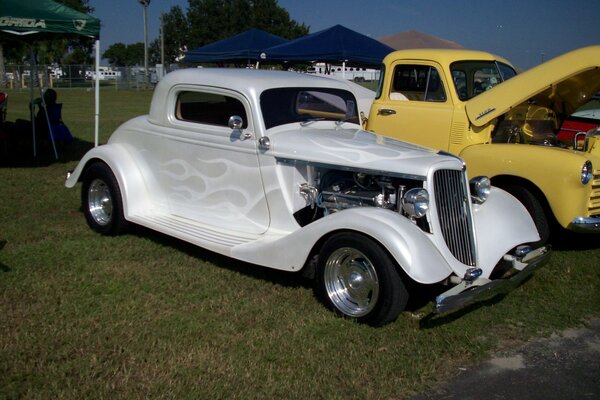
{"x":594,"y":203}
{"x":452,"y":199}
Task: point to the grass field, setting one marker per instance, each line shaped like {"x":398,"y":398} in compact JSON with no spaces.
{"x":147,"y":316}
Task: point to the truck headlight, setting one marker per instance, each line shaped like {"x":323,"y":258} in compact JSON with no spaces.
{"x":416,"y":202}
{"x":587,"y":172}
{"x":480,"y":187}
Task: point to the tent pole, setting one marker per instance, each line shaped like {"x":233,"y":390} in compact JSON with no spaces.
{"x":97,"y":94}
{"x":48,"y":122}
{"x":31,"y":104}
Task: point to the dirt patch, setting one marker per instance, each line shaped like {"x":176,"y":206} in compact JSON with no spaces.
{"x":563,"y":366}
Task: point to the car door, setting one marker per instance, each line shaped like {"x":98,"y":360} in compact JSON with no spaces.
{"x":415,"y":105}
{"x":209,"y":172}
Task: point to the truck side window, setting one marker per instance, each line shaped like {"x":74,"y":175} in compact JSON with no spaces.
{"x":417,"y":83}
{"x":208,"y":108}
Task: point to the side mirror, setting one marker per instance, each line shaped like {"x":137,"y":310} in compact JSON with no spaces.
{"x":235,"y":122}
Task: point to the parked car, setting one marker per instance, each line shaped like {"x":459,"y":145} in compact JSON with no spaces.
{"x":573,"y":130}
{"x":474,"y":105}
{"x":272,"y":168}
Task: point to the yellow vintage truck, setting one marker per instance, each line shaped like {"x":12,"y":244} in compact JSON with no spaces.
{"x":503,"y":124}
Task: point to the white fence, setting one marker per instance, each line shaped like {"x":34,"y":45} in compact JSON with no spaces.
{"x":64,"y":76}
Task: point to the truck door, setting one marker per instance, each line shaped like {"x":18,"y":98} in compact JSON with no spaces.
{"x":414,"y":105}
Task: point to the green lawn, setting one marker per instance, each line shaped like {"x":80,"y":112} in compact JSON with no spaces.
{"x":147,"y":316}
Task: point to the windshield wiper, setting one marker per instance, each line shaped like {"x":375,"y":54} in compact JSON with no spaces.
{"x":310,"y":121}
{"x":341,"y":121}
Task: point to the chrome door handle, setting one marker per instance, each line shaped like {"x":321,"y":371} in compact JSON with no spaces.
{"x":385,"y":111}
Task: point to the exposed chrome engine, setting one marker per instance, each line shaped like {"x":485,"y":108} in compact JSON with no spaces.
{"x":339,"y":190}
{"x":335,"y":190}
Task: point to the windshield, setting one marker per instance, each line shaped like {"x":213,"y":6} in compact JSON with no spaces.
{"x":287,"y":105}
{"x":474,"y":77}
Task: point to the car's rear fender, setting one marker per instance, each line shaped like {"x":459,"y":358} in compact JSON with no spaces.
{"x":122,"y":164}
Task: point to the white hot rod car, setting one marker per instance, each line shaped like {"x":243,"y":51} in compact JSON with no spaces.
{"x":272,"y":168}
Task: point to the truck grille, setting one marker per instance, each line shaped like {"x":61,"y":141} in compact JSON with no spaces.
{"x":452,"y":199}
{"x":594,"y":204}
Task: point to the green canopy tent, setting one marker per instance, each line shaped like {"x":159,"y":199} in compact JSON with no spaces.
{"x":43,"y":19}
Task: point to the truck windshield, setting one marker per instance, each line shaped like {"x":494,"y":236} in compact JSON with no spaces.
{"x":474,"y":77}
{"x":287,"y":105}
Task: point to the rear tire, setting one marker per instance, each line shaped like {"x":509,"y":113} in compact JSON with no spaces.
{"x":101,"y":200}
{"x":358,"y":279}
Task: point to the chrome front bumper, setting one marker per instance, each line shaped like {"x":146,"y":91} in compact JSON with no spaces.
{"x":585,"y":225}
{"x":471,"y":291}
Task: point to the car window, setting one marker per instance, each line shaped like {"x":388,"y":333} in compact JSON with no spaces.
{"x":417,"y":83}
{"x":474,"y":77}
{"x":208,"y":108}
{"x":506,"y":71}
{"x":287,"y":105}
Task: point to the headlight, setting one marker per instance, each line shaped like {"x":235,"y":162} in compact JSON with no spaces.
{"x":416,"y":202}
{"x":480,"y":187}
{"x":587,"y":172}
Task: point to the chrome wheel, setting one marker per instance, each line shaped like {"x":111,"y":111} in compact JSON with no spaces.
{"x":351,"y":282}
{"x":100,"y":202}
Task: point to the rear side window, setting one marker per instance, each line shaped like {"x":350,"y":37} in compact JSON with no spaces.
{"x":417,"y":83}
{"x":208,"y":108}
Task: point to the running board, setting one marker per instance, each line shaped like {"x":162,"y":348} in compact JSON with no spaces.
{"x":191,"y":231}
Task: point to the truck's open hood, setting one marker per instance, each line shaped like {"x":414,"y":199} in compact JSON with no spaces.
{"x":562,"y":84}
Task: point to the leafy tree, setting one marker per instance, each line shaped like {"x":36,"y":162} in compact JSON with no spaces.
{"x":116,"y":54}
{"x":207,"y":21}
{"x":176,"y":36}
{"x":120,"y":55}
{"x":135,"y":54}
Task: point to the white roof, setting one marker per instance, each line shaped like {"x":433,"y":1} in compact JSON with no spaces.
{"x":249,"y":82}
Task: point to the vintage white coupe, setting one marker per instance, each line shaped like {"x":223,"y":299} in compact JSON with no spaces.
{"x":272,"y":168}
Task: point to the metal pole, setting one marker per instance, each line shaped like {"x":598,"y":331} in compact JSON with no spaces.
{"x":162,"y":43}
{"x":145,"y":4}
{"x":145,"y":46}
{"x":97,"y":94}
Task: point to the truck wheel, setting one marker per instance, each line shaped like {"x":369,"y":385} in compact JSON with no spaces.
{"x":357,"y":279}
{"x":535,"y":209}
{"x":101,"y":200}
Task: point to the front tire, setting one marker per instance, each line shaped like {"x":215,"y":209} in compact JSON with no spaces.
{"x":101,"y":200}
{"x":358,"y":279}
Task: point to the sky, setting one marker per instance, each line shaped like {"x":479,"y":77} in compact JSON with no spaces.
{"x":526,"y":32}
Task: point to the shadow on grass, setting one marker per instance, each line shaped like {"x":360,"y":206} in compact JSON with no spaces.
{"x":282,"y":278}
{"x":20,"y":154}
{"x":3,"y":267}
{"x":433,"y":320}
{"x":565,"y":240}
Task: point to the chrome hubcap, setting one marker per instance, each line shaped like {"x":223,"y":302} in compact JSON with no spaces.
{"x":100,"y":202}
{"x":351,"y":282}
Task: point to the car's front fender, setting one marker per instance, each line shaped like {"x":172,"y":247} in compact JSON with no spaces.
{"x":414,"y":252}
{"x":501,"y":223}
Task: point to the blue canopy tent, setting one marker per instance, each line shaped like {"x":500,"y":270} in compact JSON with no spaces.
{"x":337,"y":44}
{"x":246,"y":46}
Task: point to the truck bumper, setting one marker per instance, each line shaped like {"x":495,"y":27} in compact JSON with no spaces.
{"x":471,"y":291}
{"x":585,"y":225}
